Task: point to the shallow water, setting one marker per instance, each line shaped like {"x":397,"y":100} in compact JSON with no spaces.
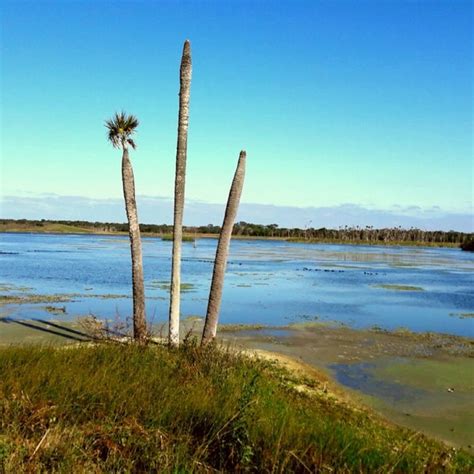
{"x":360,"y":377}
{"x":267,"y":282}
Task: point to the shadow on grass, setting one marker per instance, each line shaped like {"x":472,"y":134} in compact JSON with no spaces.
{"x":68,"y":333}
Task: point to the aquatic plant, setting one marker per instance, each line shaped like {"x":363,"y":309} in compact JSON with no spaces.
{"x":184,"y":238}
{"x":394,"y":287}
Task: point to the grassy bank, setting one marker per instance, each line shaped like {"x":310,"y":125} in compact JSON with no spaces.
{"x":109,"y":408}
{"x":185,"y":238}
{"x":390,"y":243}
{"x":47,"y":227}
{"x":52,"y":228}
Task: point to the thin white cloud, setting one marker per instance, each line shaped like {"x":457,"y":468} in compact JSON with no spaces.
{"x":159,"y":209}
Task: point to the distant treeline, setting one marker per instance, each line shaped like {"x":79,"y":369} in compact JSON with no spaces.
{"x":245,"y":229}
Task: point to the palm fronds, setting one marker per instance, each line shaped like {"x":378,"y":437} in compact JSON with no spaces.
{"x":120,"y":129}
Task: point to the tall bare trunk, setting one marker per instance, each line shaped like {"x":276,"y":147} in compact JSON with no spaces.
{"x":181,"y":151}
{"x":220,"y":262}
{"x":139,"y":318}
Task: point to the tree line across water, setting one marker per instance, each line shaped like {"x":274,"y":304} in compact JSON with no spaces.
{"x":245,"y":229}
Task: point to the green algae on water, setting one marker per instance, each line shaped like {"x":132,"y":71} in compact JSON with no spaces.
{"x":462,"y":315}
{"x":394,"y":287}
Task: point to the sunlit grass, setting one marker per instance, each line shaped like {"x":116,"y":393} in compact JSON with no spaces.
{"x":111,"y":408}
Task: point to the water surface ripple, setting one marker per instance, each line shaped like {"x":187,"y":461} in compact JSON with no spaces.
{"x":267,"y":282}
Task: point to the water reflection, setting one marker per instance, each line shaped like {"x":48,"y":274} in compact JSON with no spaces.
{"x":268,"y":282}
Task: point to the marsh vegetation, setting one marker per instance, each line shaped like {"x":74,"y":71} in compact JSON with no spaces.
{"x":112,"y":408}
{"x":362,"y":236}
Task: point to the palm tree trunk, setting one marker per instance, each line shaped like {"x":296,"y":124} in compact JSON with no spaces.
{"x":220,"y":262}
{"x":138,"y":289}
{"x":181,"y":151}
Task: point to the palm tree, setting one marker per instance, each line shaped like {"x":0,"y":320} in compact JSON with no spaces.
{"x":181,"y":151}
{"x":220,"y":262}
{"x":121,"y":127}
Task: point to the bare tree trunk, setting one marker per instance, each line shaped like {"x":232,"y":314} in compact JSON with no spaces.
{"x":139,"y":318}
{"x":220,"y":263}
{"x":181,"y":151}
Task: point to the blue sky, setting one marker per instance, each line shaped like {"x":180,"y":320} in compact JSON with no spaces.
{"x":367,"y":103}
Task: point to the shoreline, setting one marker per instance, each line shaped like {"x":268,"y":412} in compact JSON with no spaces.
{"x":197,"y":236}
{"x":415,"y":380}
{"x":418,"y":380}
{"x":277,"y":405}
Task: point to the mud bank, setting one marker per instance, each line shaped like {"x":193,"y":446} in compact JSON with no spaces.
{"x":423,"y":381}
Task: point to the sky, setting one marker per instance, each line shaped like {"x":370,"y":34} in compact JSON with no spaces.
{"x":362,"y":105}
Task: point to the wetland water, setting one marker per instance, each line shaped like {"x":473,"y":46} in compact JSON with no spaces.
{"x":267,"y":282}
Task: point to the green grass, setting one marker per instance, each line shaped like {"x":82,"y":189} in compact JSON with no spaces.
{"x":110,"y":408}
{"x":243,"y":327}
{"x":66,"y":229}
{"x":49,"y":227}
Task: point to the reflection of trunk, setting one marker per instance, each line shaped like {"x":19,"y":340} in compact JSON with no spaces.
{"x":220,"y":263}
{"x":139,"y":319}
{"x":181,"y":149}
